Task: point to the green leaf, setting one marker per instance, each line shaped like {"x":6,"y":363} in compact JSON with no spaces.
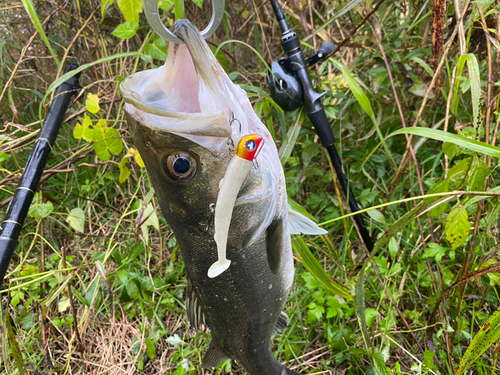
{"x":76,"y":219}
{"x":124,"y":171}
{"x":487,"y":336}
{"x":150,"y":348}
{"x":107,"y":142}
{"x":370,"y":315}
{"x":132,"y":289}
{"x":420,"y":89}
{"x":78,"y":131}
{"x":450,"y":150}
{"x":315,"y":268}
{"x":157,"y":50}
{"x":84,"y":131}
{"x":377,"y":216}
{"x":3,"y":156}
{"x":41,"y":210}
{"x":130,"y":9}
{"x":477,"y":176}
{"x":198,"y":3}
{"x":435,"y":251}
{"x":92,"y":103}
{"x":440,"y":187}
{"x":379,"y":364}
{"x":63,"y":304}
{"x":393,"y":247}
{"x":333,"y":307}
{"x":126,"y":30}
{"x":458,"y":172}
{"x":429,"y":359}
{"x":165,"y":5}
{"x":457,"y":227}
{"x":439,"y":135}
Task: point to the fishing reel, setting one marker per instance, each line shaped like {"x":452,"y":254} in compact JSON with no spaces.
{"x":284,"y":85}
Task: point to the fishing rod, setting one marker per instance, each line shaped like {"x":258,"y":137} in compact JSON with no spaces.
{"x":290,"y":85}
{"x":25,"y":191}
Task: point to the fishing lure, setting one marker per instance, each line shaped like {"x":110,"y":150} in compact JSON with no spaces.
{"x":248,"y":148}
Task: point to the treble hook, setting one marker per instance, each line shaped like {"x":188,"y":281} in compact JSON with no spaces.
{"x":153,"y":17}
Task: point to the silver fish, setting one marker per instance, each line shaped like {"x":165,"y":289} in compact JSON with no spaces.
{"x":187,"y":119}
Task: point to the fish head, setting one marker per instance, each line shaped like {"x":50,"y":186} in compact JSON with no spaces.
{"x":186,"y":119}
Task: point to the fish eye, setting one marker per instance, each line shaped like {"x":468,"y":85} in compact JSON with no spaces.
{"x":181,"y":166}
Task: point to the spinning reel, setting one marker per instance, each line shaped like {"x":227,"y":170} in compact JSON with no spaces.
{"x":284,"y":85}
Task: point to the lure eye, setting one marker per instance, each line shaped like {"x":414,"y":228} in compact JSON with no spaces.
{"x":250,"y":145}
{"x":181,"y":166}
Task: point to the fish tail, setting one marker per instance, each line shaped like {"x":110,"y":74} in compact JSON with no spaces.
{"x":265,"y":365}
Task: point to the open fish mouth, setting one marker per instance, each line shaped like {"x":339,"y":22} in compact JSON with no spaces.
{"x":187,"y":95}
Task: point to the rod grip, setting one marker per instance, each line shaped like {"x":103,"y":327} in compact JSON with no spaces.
{"x":322,"y":126}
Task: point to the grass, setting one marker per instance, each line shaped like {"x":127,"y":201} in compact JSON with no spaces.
{"x":97,"y":300}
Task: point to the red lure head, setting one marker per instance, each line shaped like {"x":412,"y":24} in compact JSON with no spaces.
{"x":249,"y":146}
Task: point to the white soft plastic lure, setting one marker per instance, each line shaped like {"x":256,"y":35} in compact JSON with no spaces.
{"x":248,"y":148}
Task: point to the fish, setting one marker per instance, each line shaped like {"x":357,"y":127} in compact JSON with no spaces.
{"x":190,"y":123}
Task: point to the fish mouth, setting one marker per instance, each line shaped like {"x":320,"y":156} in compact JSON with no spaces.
{"x":187,"y":95}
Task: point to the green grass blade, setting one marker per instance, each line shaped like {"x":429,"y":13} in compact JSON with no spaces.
{"x":30,"y":8}
{"x":475,"y":89}
{"x":486,"y":337}
{"x":315,"y":268}
{"x":360,"y":308}
{"x":350,"y":6}
{"x":454,"y":97}
{"x":14,"y":346}
{"x":247,"y":45}
{"x":179,"y":9}
{"x":364,"y":102}
{"x":356,"y":89}
{"x":290,"y":139}
{"x":81,"y":68}
{"x":439,"y":135}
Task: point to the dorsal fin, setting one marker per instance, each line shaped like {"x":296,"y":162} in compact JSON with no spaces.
{"x":195,"y":314}
{"x":300,"y":224}
{"x":213,"y":357}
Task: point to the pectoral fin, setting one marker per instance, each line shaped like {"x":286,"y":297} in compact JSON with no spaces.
{"x":274,"y":244}
{"x":300,"y":224}
{"x":213,"y":357}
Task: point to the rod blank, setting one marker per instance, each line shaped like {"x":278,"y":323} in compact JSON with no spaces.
{"x":25,"y":191}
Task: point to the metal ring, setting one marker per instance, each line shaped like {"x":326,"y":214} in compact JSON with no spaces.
{"x":11,"y":221}
{"x":25,"y":188}
{"x":153,"y":17}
